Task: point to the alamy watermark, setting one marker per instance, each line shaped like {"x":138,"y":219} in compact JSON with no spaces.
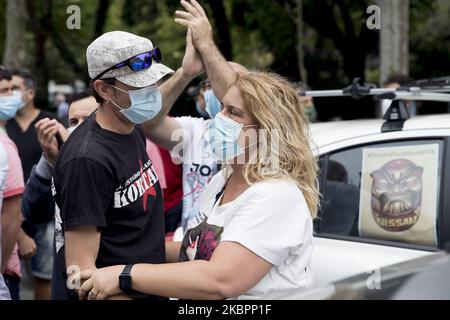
{"x":73,"y":21}
{"x":374,"y":20}
{"x":373,"y":282}
{"x":73,"y":277}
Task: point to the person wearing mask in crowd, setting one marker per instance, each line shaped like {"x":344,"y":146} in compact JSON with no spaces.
{"x":195,"y":153}
{"x":38,"y":205}
{"x":11,"y":216}
{"x":21,"y":130}
{"x":106,"y":188}
{"x":255,"y":215}
{"x":62,"y":106}
{"x":4,"y":291}
{"x":199,"y":98}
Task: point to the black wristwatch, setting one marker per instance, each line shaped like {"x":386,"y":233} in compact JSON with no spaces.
{"x":125,"y":281}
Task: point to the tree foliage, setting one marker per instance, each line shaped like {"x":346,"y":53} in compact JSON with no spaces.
{"x":260,"y":34}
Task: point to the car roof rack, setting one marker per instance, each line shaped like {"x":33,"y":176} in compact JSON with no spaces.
{"x":395,"y":117}
{"x":435,"y":84}
{"x":437,"y":89}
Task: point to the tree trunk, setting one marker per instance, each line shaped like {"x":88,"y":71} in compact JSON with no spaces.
{"x":15,"y":46}
{"x":223,"y":29}
{"x":300,"y":46}
{"x":102,"y":12}
{"x":40,"y":65}
{"x":394,"y":45}
{"x":353,"y":48}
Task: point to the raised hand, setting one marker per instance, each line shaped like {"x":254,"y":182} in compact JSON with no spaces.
{"x":192,"y":62}
{"x":47,"y":130}
{"x":195,"y":19}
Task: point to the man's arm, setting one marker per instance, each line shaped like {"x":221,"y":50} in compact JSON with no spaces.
{"x":81,"y":245}
{"x":173,"y":251}
{"x":11,"y":222}
{"x":38,"y":204}
{"x":160,"y":128}
{"x":220,"y":74}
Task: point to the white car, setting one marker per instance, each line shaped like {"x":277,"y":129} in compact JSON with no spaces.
{"x":385,"y":195}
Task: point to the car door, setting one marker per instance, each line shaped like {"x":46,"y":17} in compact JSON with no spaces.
{"x":363,"y":184}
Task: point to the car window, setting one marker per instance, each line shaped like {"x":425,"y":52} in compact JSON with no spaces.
{"x":385,"y":191}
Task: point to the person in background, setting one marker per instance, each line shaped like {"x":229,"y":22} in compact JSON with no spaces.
{"x":21,"y":130}
{"x":308,"y":102}
{"x":198,"y":94}
{"x":38,"y":205}
{"x":62,"y":106}
{"x":11,"y":216}
{"x":81,"y":105}
{"x":396,"y":81}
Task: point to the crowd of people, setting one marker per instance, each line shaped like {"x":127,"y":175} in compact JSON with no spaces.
{"x":128,"y":202}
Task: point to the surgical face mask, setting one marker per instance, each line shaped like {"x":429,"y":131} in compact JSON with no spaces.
{"x":145,"y":104}
{"x":71,"y":129}
{"x":223,"y":136}
{"x":213,"y":105}
{"x":200,"y":110}
{"x":9,"y":105}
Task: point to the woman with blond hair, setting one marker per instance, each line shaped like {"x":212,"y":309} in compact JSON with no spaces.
{"x":253,"y":235}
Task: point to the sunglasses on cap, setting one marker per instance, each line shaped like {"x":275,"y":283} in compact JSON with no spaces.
{"x":138,"y":62}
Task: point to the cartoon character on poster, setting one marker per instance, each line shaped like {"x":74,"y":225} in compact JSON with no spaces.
{"x":399,"y":194}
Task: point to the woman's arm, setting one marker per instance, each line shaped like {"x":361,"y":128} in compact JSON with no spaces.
{"x":232,"y":271}
{"x":173,"y":251}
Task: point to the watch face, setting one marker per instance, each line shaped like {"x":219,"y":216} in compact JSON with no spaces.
{"x":125,"y":282}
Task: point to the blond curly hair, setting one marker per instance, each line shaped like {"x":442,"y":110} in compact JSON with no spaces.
{"x":276,"y":106}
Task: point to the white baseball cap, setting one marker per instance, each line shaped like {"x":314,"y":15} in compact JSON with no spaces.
{"x":115,"y":47}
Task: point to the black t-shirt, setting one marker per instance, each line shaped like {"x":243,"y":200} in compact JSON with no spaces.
{"x":105,"y":179}
{"x":26,"y":141}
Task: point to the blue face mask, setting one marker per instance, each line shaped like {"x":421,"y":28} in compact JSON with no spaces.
{"x":9,"y":105}
{"x":72,"y":129}
{"x":200,"y":110}
{"x":145,"y":104}
{"x":223,"y":136}
{"x":213,"y":105}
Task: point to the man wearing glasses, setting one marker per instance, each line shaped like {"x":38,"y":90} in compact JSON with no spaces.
{"x":105,"y":185}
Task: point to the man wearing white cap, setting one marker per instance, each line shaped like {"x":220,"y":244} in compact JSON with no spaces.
{"x":106,"y":188}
